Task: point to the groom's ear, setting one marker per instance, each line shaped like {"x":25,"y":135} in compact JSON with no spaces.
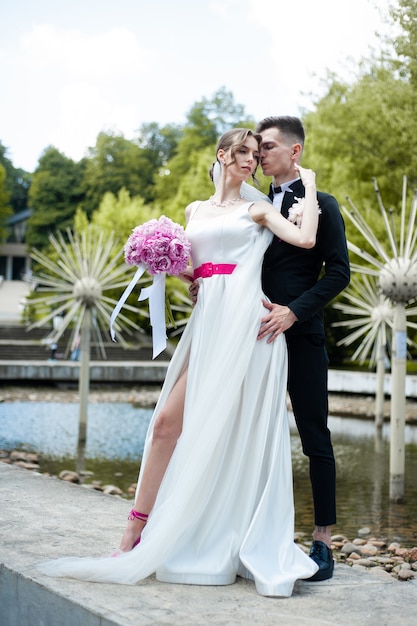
{"x":297,"y":149}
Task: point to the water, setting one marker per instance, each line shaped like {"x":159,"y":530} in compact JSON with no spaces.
{"x":115,"y":437}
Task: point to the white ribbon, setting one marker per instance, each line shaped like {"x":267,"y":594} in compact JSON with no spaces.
{"x":156,"y":295}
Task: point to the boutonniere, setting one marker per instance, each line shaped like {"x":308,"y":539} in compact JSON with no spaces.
{"x":295,"y":212}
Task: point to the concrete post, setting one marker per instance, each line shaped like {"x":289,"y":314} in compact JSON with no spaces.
{"x":398,"y":374}
{"x":84,"y":387}
{"x":380,"y":374}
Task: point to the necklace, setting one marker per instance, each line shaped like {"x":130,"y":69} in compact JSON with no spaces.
{"x":225,"y":202}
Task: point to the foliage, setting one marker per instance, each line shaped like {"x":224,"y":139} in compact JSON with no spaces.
{"x":120,"y":213}
{"x":404,"y":13}
{"x":206,"y":121}
{"x":159,"y":145}
{"x":367,"y":129}
{"x":17,"y":182}
{"x":54,"y":196}
{"x":5,"y":208}
{"x":356,"y":131}
{"x":195,"y":184}
{"x":362,"y":131}
{"x":113,"y":163}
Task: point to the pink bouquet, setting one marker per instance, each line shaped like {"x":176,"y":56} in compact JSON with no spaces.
{"x":161,"y":245}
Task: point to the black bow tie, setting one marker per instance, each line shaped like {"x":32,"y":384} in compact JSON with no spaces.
{"x":277,"y":189}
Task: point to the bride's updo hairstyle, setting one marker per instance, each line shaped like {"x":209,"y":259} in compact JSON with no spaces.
{"x":232,"y":140}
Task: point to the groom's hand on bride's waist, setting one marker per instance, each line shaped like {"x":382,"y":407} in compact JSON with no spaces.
{"x":278,"y":319}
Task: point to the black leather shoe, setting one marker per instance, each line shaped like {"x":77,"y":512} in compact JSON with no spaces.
{"x":323,"y":556}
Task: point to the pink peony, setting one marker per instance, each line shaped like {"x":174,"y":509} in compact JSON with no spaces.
{"x":160,"y":244}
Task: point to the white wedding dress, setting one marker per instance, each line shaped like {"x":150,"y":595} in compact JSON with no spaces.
{"x":225,"y":506}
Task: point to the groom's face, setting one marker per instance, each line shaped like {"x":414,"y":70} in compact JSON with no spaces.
{"x":276,"y":155}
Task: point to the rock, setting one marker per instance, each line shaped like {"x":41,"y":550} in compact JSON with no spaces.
{"x":378,"y":571}
{"x":364,"y":531}
{"x":381,"y":560}
{"x":349,"y":547}
{"x":112,"y":490}
{"x":28,"y":466}
{"x":17,"y":455}
{"x":403,"y":552}
{"x":368,"y":549}
{"x":71,"y":477}
{"x":406,"y":574}
{"x":412,"y":554}
{"x":365,"y":562}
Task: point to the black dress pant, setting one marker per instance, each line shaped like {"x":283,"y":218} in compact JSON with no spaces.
{"x":307,"y":386}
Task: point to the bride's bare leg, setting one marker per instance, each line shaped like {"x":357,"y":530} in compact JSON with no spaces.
{"x":167,"y":429}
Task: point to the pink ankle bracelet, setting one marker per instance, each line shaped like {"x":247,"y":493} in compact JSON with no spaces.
{"x":143,"y":517}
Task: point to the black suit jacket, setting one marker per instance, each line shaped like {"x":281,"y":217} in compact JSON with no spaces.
{"x":307,"y":280}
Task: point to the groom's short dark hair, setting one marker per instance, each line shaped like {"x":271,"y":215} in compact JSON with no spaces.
{"x":290,"y":126}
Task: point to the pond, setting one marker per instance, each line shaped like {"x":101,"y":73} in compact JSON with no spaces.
{"x":115,"y":437}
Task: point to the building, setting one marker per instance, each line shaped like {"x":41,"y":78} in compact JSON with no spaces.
{"x":15,"y":260}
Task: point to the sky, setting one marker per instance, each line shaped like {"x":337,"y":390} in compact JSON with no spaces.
{"x":70,"y":69}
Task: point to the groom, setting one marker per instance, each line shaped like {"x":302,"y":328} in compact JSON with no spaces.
{"x":299,"y":283}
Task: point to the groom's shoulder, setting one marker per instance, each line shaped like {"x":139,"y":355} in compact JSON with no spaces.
{"x":326,"y":199}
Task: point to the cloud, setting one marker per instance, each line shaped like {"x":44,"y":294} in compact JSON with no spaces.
{"x":305,"y":39}
{"x":125,"y":66}
{"x":84,"y":113}
{"x":84,"y":84}
{"x":109,"y":54}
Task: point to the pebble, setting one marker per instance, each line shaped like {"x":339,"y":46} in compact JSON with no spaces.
{"x":393,"y":560}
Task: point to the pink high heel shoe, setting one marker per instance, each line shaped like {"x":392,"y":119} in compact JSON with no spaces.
{"x":143,"y":517}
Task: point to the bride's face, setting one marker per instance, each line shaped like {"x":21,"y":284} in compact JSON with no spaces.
{"x":246,"y":159}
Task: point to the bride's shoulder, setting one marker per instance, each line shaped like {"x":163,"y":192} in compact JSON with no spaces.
{"x":192,"y":208}
{"x":261,"y":206}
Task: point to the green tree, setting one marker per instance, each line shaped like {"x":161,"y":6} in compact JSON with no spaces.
{"x":115,"y":163}
{"x":404,"y":14}
{"x":17,"y":182}
{"x":206,"y":121}
{"x":119,"y":214}
{"x":367,"y":129}
{"x":159,"y":145}
{"x":54,"y":196}
{"x":5,"y":208}
{"x":194,"y":184}
{"x":363,"y":131}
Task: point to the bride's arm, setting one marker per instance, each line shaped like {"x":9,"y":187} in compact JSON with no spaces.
{"x":303,"y":236}
{"x":188,"y":275}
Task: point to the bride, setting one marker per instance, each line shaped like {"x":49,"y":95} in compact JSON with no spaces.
{"x":214,"y":498}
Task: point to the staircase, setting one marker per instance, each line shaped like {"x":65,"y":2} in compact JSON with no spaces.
{"x":19,"y":344}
